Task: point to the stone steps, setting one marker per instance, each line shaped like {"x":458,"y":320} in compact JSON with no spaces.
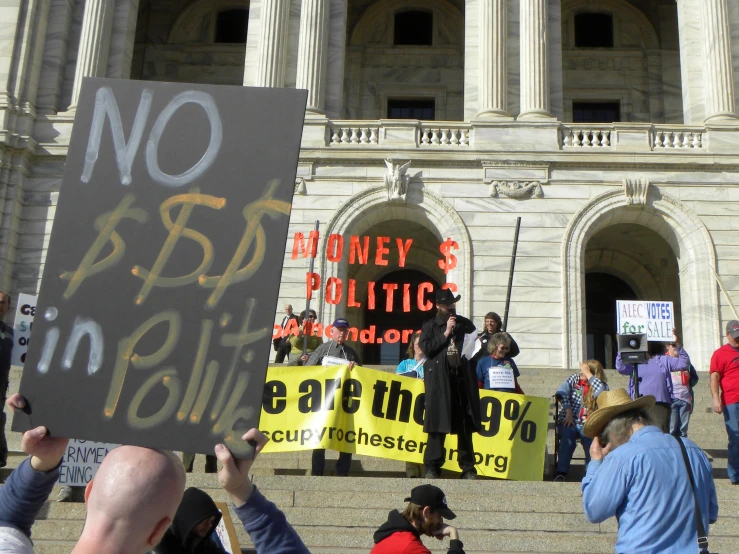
{"x":339,"y":515}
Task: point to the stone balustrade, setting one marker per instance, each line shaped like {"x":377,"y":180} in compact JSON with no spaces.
{"x":444,"y":136}
{"x":411,"y":134}
{"x":670,"y":137}
{"x":586,"y":137}
{"x":342,"y":135}
{"x":638,"y":136}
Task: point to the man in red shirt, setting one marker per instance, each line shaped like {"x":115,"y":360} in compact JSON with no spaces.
{"x":725,"y":375}
{"x":401,"y":533}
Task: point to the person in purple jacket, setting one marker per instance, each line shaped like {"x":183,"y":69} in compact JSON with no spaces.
{"x":655,"y":377}
{"x":133,"y":497}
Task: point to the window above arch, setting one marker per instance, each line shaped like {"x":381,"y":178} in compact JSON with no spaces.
{"x":222,"y":22}
{"x":231,"y":26}
{"x":596,"y":112}
{"x":414,"y":28}
{"x":593,"y":30}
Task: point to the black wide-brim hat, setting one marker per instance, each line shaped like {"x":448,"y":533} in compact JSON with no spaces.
{"x":445,"y":296}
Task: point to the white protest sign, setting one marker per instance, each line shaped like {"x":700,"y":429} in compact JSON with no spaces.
{"x":329,"y":361}
{"x":502,"y":377}
{"x":81,"y":461}
{"x":24,"y":313}
{"x":225,"y":531}
{"x":655,"y":318}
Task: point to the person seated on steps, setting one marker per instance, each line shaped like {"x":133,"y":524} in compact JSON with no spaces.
{"x":577,"y":395}
{"x":424,"y":515}
{"x":192,"y":531}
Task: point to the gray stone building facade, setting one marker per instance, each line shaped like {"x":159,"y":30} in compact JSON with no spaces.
{"x":609,"y":126}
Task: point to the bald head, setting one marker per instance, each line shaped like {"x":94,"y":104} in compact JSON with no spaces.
{"x":133,"y":499}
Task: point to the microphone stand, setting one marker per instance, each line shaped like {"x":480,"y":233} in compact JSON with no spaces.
{"x":635,"y":380}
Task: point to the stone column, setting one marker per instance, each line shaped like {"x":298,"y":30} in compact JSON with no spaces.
{"x":92,"y":59}
{"x":273,"y":43}
{"x":534,"y":61}
{"x":313,"y":53}
{"x":718,"y":72}
{"x":492,"y":56}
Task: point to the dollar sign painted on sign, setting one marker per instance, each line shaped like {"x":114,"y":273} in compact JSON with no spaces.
{"x":450,"y":260}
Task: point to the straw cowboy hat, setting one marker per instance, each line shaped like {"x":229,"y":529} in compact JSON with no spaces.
{"x":611,"y":403}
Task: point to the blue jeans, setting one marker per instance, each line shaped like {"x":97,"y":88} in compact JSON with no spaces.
{"x":679,"y":418}
{"x":567,"y":442}
{"x":731,"y":419}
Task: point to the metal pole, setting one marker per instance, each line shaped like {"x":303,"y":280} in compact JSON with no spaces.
{"x":726,"y":294}
{"x":635,"y":378}
{"x":510,"y":275}
{"x":307,"y":305}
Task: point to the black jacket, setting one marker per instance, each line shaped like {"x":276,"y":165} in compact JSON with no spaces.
{"x":396,"y":523}
{"x":483,"y":352}
{"x":196,"y":506}
{"x":282,"y":340}
{"x":438,"y":379}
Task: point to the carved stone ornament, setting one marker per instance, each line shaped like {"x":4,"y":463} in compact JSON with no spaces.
{"x":636,"y":191}
{"x":396,"y":180}
{"x":516,"y":189}
{"x":300,"y":186}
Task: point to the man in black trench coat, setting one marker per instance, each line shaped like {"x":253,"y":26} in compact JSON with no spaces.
{"x":452,"y":396}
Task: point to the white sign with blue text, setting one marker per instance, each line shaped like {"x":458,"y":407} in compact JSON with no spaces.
{"x":655,"y":318}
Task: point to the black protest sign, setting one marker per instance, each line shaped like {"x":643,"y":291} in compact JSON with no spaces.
{"x":154,"y":320}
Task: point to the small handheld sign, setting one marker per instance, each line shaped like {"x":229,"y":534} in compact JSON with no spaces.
{"x":654,"y":318}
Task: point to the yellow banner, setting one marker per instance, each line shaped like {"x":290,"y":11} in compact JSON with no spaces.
{"x":374,"y":413}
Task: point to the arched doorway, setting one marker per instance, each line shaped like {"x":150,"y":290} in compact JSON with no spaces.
{"x":391,"y":353}
{"x":601,"y":292}
{"x":624,"y":261}
{"x":689,"y":242}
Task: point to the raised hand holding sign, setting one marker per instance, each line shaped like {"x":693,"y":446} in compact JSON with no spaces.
{"x":156,"y":304}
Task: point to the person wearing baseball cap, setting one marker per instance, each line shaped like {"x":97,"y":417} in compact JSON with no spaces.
{"x":725,"y":392}
{"x":334,"y":352}
{"x":424,"y":515}
{"x":638,"y":474}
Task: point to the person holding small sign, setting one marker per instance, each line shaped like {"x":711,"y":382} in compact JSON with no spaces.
{"x":498,"y":371}
{"x":6,"y":349}
{"x":682,"y":395}
{"x":334,"y":352}
{"x":655,"y":377}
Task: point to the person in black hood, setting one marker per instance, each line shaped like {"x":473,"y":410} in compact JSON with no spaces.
{"x":401,"y":533}
{"x":193,"y":525}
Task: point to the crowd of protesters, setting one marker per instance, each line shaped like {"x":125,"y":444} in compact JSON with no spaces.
{"x":137,"y":502}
